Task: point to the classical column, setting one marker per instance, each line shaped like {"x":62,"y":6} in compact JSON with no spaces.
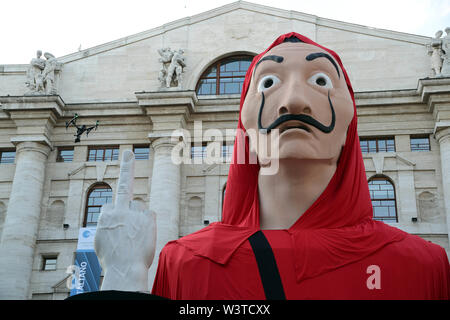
{"x":443,"y":137}
{"x":434,"y":93}
{"x":164,"y":196}
{"x":168,"y":111}
{"x":22,"y":220}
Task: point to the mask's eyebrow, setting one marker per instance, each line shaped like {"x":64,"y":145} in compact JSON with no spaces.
{"x":277,"y":59}
{"x":316,"y":55}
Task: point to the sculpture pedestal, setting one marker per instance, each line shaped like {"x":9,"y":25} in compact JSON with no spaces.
{"x":115,"y":295}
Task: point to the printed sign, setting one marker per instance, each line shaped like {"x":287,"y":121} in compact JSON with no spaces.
{"x":87,"y":269}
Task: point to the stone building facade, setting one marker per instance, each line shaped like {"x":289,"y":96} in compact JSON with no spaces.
{"x":47,"y":180}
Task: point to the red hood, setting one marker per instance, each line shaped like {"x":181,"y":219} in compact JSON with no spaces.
{"x":336,"y":230}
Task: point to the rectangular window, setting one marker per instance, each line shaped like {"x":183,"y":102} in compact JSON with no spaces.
{"x":377,"y":144}
{"x":49,"y":263}
{"x":420,"y":143}
{"x":141,"y":152}
{"x":227,"y":152}
{"x":7,"y":156}
{"x":65,"y":154}
{"x":198,"y":150}
{"x":103,"y":153}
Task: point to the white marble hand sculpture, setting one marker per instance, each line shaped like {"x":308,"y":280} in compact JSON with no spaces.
{"x":126,"y":236}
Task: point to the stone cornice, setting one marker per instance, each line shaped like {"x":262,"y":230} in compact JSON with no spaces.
{"x":54,"y":103}
{"x":161,"y":104}
{"x":34,"y":116}
{"x":167,"y":97}
{"x":430,"y":91}
{"x":389,"y":97}
{"x":433,"y":91}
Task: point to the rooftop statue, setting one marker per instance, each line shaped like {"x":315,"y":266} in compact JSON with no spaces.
{"x":41,"y":74}
{"x":34,"y":80}
{"x":171,"y":71}
{"x":437,"y":54}
{"x":446,"y":57}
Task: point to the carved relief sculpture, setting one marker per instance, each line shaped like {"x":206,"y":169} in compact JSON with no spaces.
{"x":436,"y":53}
{"x":41,"y":75}
{"x":446,"y":49}
{"x":48,"y":74}
{"x":171,"y":71}
{"x":34,"y":73}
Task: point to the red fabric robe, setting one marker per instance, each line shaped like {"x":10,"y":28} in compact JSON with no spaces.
{"x":329,"y":253}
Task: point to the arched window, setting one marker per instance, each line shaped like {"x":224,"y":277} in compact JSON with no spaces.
{"x":97,"y":196}
{"x":225,"y":76}
{"x":382,"y":193}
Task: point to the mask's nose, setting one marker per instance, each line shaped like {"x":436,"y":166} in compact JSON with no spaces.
{"x":295,"y":101}
{"x":284,"y":110}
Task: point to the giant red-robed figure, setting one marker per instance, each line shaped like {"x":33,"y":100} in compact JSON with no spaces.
{"x":334,"y":250}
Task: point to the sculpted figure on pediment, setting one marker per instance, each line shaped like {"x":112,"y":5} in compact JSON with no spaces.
{"x":171,"y":71}
{"x":436,"y":54}
{"x":48,"y":74}
{"x":446,"y":49}
{"x":41,"y":74}
{"x":34,"y":80}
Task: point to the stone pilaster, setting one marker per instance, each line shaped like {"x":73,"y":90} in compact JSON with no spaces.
{"x":22,"y":220}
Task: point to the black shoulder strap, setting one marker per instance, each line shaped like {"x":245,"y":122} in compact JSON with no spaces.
{"x":268,"y":270}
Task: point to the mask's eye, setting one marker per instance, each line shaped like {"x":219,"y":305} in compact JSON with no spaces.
{"x":322,"y":80}
{"x":267,"y":82}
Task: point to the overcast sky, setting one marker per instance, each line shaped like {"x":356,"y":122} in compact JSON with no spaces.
{"x":60,"y":27}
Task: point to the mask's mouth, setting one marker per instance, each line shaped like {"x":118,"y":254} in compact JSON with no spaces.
{"x":293,"y":125}
{"x":297,"y":117}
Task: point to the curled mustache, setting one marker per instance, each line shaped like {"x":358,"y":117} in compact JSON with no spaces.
{"x":300,"y":117}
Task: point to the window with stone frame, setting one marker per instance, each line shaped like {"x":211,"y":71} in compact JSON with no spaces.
{"x":103,"y":153}
{"x":49,"y":263}
{"x":227,"y":151}
{"x":225,"y":76}
{"x":141,"y":152}
{"x":97,"y":196}
{"x":382,"y":194}
{"x":198,"y":150}
{"x":65,"y":154}
{"x":420,"y":142}
{"x":7,"y":156}
{"x":377,"y":144}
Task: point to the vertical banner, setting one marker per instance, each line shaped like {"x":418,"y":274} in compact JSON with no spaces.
{"x":87,"y":269}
